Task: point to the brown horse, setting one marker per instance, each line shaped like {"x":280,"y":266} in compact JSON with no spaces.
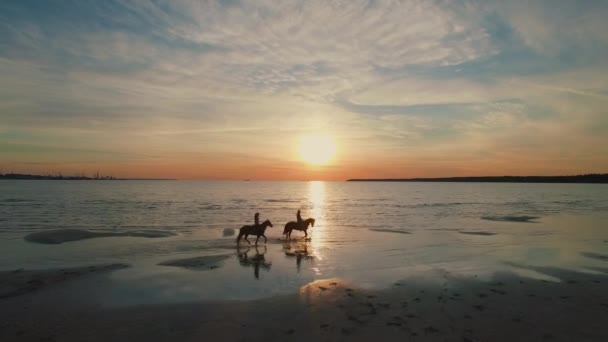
{"x":303,"y":226}
{"x":253,"y":230}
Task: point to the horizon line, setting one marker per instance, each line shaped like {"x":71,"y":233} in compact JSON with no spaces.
{"x":603,"y":177}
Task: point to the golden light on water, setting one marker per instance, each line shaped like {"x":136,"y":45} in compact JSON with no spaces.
{"x":316,"y":196}
{"x":317,"y":149}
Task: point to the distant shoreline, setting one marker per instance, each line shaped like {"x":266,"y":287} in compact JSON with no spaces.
{"x":19,"y":176}
{"x":589,"y":179}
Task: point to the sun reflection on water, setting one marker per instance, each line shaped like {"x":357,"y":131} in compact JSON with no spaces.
{"x":316,"y":196}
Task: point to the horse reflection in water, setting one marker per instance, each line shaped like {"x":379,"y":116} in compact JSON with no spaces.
{"x":257,"y":261}
{"x":299,"y":251}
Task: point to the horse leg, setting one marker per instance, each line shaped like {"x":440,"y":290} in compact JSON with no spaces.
{"x":249,"y":242}
{"x":256,"y":240}
{"x":265,"y":239}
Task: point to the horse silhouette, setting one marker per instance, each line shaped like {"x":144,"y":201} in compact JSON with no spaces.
{"x":303,"y":226}
{"x":253,"y":230}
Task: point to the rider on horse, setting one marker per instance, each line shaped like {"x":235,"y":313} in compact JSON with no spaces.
{"x":299,"y":218}
{"x":256,"y":220}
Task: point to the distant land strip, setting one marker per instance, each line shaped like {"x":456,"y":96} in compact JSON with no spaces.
{"x":21,"y":176}
{"x":589,"y":178}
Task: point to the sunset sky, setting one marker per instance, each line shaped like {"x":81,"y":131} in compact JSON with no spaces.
{"x":251,"y":89}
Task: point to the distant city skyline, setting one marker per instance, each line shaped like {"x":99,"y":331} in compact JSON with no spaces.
{"x":313,"y":90}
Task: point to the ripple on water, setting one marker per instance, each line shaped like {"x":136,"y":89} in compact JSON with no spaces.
{"x":482,"y":233}
{"x":396,"y":231}
{"x":511,"y":218}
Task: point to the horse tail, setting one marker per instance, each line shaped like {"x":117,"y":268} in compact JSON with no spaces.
{"x":286,"y":230}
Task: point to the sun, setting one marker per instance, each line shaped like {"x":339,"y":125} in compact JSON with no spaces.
{"x":317,"y":149}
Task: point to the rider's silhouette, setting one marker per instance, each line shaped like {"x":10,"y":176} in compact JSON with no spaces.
{"x":256,"y":220}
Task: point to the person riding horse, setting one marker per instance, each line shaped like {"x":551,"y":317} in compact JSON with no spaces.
{"x":258,"y":229}
{"x":299,"y":218}
{"x":256,"y":220}
{"x":299,"y":224}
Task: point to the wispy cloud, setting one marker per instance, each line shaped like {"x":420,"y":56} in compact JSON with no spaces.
{"x":392,"y":80}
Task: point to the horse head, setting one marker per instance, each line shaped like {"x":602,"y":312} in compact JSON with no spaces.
{"x":311,"y":221}
{"x":267,"y":223}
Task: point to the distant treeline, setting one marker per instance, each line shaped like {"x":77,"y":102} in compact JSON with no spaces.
{"x":54,"y":177}
{"x":97,"y":176}
{"x":589,"y":178}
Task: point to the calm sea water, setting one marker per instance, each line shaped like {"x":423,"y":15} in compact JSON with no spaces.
{"x":368,"y":233}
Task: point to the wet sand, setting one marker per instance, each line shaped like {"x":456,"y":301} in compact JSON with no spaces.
{"x":431,"y":306}
{"x":198,"y":263}
{"x":59,"y":236}
{"x":18,"y":282}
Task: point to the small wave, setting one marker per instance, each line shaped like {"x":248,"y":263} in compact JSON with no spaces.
{"x":359,"y":226}
{"x":476,"y":233}
{"x":202,"y":263}
{"x":228,"y":232}
{"x":211,"y":207}
{"x":596,"y":256}
{"x":529,"y":219}
{"x":282,"y":200}
{"x":110,"y":202}
{"x":16,"y":200}
{"x":389,"y":231}
{"x":55,"y":237}
{"x":434,"y":205}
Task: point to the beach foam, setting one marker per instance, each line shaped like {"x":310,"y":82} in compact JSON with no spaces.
{"x":59,"y":236}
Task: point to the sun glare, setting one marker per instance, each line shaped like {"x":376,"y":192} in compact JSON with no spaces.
{"x":317,"y":149}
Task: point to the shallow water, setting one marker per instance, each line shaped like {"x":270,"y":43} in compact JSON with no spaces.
{"x":370,"y":234}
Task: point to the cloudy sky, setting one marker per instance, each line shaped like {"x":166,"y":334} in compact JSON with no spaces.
{"x":228,"y":89}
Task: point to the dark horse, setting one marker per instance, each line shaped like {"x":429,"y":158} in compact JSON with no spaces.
{"x":253,"y":230}
{"x":303,"y":226}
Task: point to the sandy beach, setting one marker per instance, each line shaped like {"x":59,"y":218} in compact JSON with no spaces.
{"x":430,"y":307}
